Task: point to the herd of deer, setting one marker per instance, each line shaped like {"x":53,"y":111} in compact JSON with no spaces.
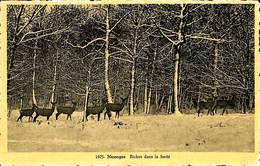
{"x":68,"y":110}
{"x":116,"y":107}
{"x":213,"y":105}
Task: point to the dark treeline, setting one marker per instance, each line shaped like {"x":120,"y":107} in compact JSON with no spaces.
{"x":163,"y":57}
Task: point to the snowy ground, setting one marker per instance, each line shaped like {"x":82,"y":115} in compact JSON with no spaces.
{"x":233,"y":132}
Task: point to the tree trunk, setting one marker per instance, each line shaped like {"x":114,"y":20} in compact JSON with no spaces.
{"x":131,"y":110}
{"x":137,"y":100}
{"x":34,"y":72}
{"x":177,"y":62}
{"x":160,"y":104}
{"x":106,"y":60}
{"x":145,"y":95}
{"x":169,"y":104}
{"x":251,"y":100}
{"x":151,"y":81}
{"x":176,"y":82}
{"x":86,"y":105}
{"x":21,"y":102}
{"x":215,"y":71}
{"x":149,"y":100}
{"x":101,"y":100}
{"x":176,"y":72}
{"x":115,"y":91}
{"x":156,"y":100}
{"x":54,"y":79}
{"x":10,"y":64}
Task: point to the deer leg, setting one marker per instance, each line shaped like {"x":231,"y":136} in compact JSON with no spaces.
{"x":82,"y":119}
{"x":198,"y":112}
{"x":31,"y":118}
{"x":36,"y":116}
{"x":19,"y":118}
{"x":70,"y":117}
{"x":224,"y":110}
{"x":57,"y":115}
{"x":105,"y":115}
{"x":109,"y":115}
{"x":98,"y":116}
{"x":215,"y":111}
{"x":211,"y":110}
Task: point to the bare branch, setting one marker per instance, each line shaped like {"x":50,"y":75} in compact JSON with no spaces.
{"x":120,"y":20}
{"x":89,"y":43}
{"x":45,"y":35}
{"x":122,"y":59}
{"x":35,"y":12}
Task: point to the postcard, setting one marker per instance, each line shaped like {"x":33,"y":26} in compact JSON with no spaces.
{"x":129,"y":82}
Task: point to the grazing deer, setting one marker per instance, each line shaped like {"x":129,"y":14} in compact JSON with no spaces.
{"x":225,"y":104}
{"x":26,"y":111}
{"x":44,"y":111}
{"x":95,"y":110}
{"x":66,"y":110}
{"x":203,"y":105}
{"x":113,"y":107}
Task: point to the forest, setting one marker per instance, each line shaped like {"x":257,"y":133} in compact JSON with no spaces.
{"x":163,"y":57}
{"x":156,"y":68}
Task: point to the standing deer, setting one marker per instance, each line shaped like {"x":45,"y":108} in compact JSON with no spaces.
{"x":66,"y":110}
{"x":225,"y":104}
{"x":95,"y":110}
{"x":26,"y":111}
{"x":203,"y":105}
{"x":44,"y":111}
{"x":114,"y":107}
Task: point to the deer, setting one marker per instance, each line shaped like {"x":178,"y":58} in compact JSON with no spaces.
{"x":203,"y":105}
{"x":44,"y":111}
{"x":225,"y":104}
{"x":26,"y":111}
{"x":115,"y":107}
{"x":66,"y":110}
{"x":95,"y":110}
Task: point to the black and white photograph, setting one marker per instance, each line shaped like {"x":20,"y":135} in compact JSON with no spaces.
{"x":131,"y":78}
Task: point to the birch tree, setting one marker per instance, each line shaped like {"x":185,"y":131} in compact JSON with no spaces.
{"x":106,"y":12}
{"x":134,"y":43}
